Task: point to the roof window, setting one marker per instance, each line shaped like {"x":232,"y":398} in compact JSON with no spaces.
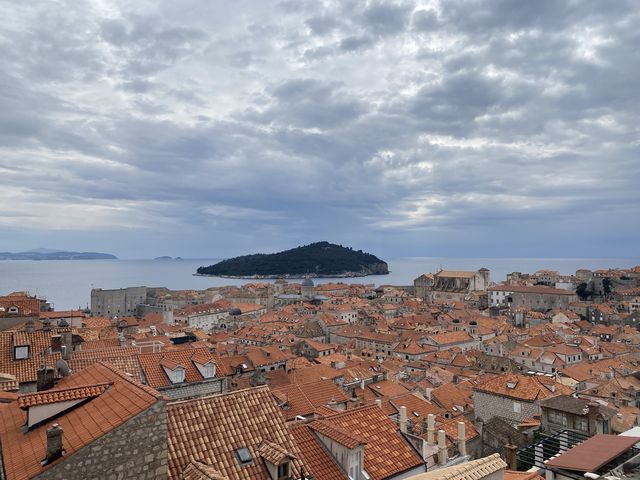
{"x":244,"y":456}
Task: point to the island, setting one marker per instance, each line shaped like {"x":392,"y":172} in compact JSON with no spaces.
{"x":321,"y":259}
{"x":167,"y":257}
{"x":47,"y":254}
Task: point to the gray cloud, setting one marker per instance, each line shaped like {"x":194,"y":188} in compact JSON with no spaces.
{"x":391,"y":125}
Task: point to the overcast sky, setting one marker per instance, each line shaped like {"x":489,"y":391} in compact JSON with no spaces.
{"x":405,"y":128}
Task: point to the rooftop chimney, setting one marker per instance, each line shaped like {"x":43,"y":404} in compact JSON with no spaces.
{"x":54,"y":443}
{"x":462,"y":439}
{"x":442,"y":448}
{"x":403,"y":419}
{"x":431,"y":429}
{"x":56,"y":343}
{"x":45,"y":378}
{"x":512,"y":458}
{"x":28,"y":327}
{"x":67,"y":342}
{"x":379,"y":403}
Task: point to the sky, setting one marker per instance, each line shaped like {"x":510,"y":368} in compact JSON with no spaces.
{"x":204,"y":128}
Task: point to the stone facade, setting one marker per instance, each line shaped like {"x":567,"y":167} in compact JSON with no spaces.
{"x":486,"y":406}
{"x":190,"y":390}
{"x":136,"y":450}
{"x":119,"y":302}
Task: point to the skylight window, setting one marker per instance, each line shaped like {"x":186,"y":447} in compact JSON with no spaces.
{"x":244,"y":456}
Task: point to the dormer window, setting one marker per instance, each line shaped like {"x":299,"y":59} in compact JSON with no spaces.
{"x":177,"y":375}
{"x":174,"y":370}
{"x":21,"y":352}
{"x":13,"y":310}
{"x":283,"y":471}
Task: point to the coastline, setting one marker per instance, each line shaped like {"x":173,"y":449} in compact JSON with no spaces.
{"x":290,"y":276}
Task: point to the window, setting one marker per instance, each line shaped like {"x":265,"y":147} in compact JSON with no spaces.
{"x":244,"y":456}
{"x":21,"y":353}
{"x":209,"y":370}
{"x":13,"y":309}
{"x":177,"y":375}
{"x":283,"y":470}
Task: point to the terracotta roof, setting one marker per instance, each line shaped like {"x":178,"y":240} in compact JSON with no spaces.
{"x":387,"y":388}
{"x":386,"y":451}
{"x":304,"y":399}
{"x":473,"y":470}
{"x":213,"y":428}
{"x":200,"y":471}
{"x":80,"y":392}
{"x":522,"y":387}
{"x":337,"y":434}
{"x":123,"y":358}
{"x":448,"y":338}
{"x":513,"y":475}
{"x":593,"y":453}
{"x":315,"y":455}
{"x":156,"y":376}
{"x":417,"y":407}
{"x":25,"y":370}
{"x":22,"y":452}
{"x":274,"y":453}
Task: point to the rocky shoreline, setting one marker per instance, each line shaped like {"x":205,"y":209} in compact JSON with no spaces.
{"x":292,"y":276}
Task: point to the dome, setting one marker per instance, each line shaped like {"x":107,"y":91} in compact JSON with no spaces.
{"x":307,"y":282}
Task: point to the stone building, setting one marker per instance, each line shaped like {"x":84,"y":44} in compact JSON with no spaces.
{"x":565,"y":412}
{"x":451,"y":285}
{"x":117,"y":302}
{"x":513,"y":397}
{"x":534,"y":297}
{"x":186,"y":373}
{"x":95,"y":423}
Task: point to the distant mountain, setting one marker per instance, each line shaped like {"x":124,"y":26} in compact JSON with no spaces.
{"x":48,"y":254}
{"x":321,"y":259}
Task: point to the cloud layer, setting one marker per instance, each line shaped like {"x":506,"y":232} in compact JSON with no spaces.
{"x":203,"y":128}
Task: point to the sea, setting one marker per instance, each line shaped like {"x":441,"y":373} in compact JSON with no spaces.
{"x":67,"y":284}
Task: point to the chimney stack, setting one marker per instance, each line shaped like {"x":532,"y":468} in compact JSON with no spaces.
{"x":379,"y":403}
{"x":462,"y":439}
{"x":29,"y":326}
{"x":512,"y":458}
{"x":56,"y":343}
{"x":67,"y":342}
{"x":442,"y":448}
{"x":403,"y":419}
{"x":431,"y":429}
{"x":427,"y":392}
{"x":54,"y":443}
{"x":45,"y":378}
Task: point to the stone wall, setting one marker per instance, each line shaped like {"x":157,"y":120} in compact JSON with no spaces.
{"x":486,"y":406}
{"x":136,"y":449}
{"x":190,"y":390}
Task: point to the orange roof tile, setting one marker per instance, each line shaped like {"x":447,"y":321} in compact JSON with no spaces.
{"x":315,"y":455}
{"x":22,"y":452}
{"x":226,"y":423}
{"x":62,"y":395}
{"x":386,"y":451}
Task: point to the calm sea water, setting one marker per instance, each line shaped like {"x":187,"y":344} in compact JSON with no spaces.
{"x":68,"y":284}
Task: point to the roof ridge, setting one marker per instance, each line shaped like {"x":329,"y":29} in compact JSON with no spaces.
{"x":31,"y":399}
{"x":218,"y":395}
{"x":149,"y":390}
